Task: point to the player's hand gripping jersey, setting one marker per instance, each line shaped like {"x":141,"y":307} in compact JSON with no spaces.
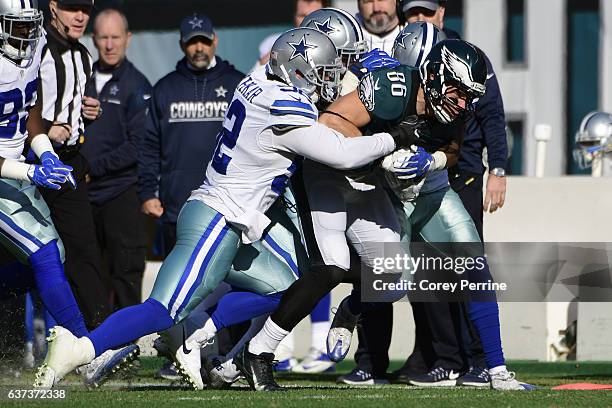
{"x":267,"y":130}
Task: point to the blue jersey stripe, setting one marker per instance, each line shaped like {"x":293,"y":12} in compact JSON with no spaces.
{"x":292,"y":104}
{"x":277,"y":112}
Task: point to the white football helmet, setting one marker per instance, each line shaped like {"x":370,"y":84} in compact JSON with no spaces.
{"x":20,"y":29}
{"x":342,"y":28}
{"x":594,"y":137}
{"x":307,"y":59}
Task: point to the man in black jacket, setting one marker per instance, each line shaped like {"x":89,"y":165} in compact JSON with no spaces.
{"x":187,"y":109}
{"x":111,"y":150}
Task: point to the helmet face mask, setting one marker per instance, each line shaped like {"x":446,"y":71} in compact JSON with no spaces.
{"x":454,"y":71}
{"x":342,"y":29}
{"x":307,"y":59}
{"x":20,"y":31}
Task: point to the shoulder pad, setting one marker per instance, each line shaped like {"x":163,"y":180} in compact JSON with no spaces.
{"x":291,"y":108}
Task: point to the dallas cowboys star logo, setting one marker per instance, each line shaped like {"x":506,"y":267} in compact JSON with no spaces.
{"x":400,"y":39}
{"x":114,"y":90}
{"x":300,"y":49}
{"x":325,"y":27}
{"x":196,"y":22}
{"x":221,"y":92}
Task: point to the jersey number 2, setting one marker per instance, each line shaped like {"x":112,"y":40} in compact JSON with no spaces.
{"x":11,"y":103}
{"x":234,"y":118}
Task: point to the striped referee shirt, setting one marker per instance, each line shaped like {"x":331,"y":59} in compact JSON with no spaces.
{"x":64,"y":70}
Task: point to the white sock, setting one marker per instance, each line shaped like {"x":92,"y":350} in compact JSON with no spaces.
{"x":319,"y":335}
{"x":267,"y":340}
{"x":498,"y":369}
{"x":285,"y":349}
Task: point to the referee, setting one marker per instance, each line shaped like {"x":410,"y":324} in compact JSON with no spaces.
{"x":64,"y":72}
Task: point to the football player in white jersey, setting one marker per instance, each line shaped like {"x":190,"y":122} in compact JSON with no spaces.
{"x":269,"y":126}
{"x":26,"y":228}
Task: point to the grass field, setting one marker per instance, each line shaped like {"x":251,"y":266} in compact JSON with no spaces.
{"x":144,"y":390}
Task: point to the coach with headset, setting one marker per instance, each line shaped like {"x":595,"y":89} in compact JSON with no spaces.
{"x":64,"y":71}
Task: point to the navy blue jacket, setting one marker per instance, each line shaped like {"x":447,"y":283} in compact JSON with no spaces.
{"x":187,"y":111}
{"x":486,"y":129}
{"x":111,"y":141}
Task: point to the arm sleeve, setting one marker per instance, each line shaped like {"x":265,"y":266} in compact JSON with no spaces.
{"x":149,"y":152}
{"x":126,"y":154}
{"x":492,"y":122}
{"x":324,"y":145}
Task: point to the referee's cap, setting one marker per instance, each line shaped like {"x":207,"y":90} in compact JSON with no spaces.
{"x":196,"y":25}
{"x":68,"y":3}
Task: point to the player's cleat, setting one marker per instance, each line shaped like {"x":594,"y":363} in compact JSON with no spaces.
{"x":187,"y":357}
{"x":476,"y":377}
{"x":109,"y":363}
{"x":65,"y":353}
{"x":257,"y":369}
{"x":341,"y":332}
{"x":505,"y":381}
{"x":168,"y":372}
{"x":315,"y":362}
{"x":360,"y":378}
{"x":220,"y":375}
{"x":437,"y":377}
{"x":285,"y":366}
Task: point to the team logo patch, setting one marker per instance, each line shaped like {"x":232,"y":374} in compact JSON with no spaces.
{"x":366,"y":92}
{"x":221,"y":92}
{"x":325,"y":27}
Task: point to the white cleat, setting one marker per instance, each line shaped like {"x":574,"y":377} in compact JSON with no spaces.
{"x":221,"y":375}
{"x":187,"y":355}
{"x":315,"y":362}
{"x":505,"y":381}
{"x":65,"y":353}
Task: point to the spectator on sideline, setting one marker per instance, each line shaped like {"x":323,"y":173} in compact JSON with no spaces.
{"x":111,"y":150}
{"x":64,"y":72}
{"x":186,"y":114}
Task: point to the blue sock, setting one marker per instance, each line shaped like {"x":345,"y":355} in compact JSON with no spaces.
{"x":321,"y":311}
{"x":485,"y":317}
{"x":129,"y":324}
{"x":54,"y":290}
{"x":238,"y":307}
{"x":29,"y":318}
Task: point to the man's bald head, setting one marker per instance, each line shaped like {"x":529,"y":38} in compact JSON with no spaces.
{"x":111,"y":37}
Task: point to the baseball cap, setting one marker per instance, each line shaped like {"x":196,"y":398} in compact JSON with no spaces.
{"x":196,"y":25}
{"x":428,"y":4}
{"x":86,"y":3}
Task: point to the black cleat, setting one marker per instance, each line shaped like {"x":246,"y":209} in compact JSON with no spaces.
{"x":257,"y":369}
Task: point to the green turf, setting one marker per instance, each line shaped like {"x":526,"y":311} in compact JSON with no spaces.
{"x":321,"y":391}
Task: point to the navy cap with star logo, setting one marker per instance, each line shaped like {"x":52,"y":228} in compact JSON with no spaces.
{"x":196,"y":25}
{"x":300,"y":49}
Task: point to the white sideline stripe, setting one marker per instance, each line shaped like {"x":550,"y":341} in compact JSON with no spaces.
{"x":197,"y":264}
{"x":18,"y":237}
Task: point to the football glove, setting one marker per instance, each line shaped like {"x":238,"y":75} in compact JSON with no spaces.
{"x":372,"y":61}
{"x":51,"y":173}
{"x":51,"y":160}
{"x":409,"y":131}
{"x":410,"y":164}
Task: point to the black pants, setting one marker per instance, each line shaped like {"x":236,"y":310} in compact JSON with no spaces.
{"x":71,"y":214}
{"x":444,"y":334}
{"x":122,"y":239}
